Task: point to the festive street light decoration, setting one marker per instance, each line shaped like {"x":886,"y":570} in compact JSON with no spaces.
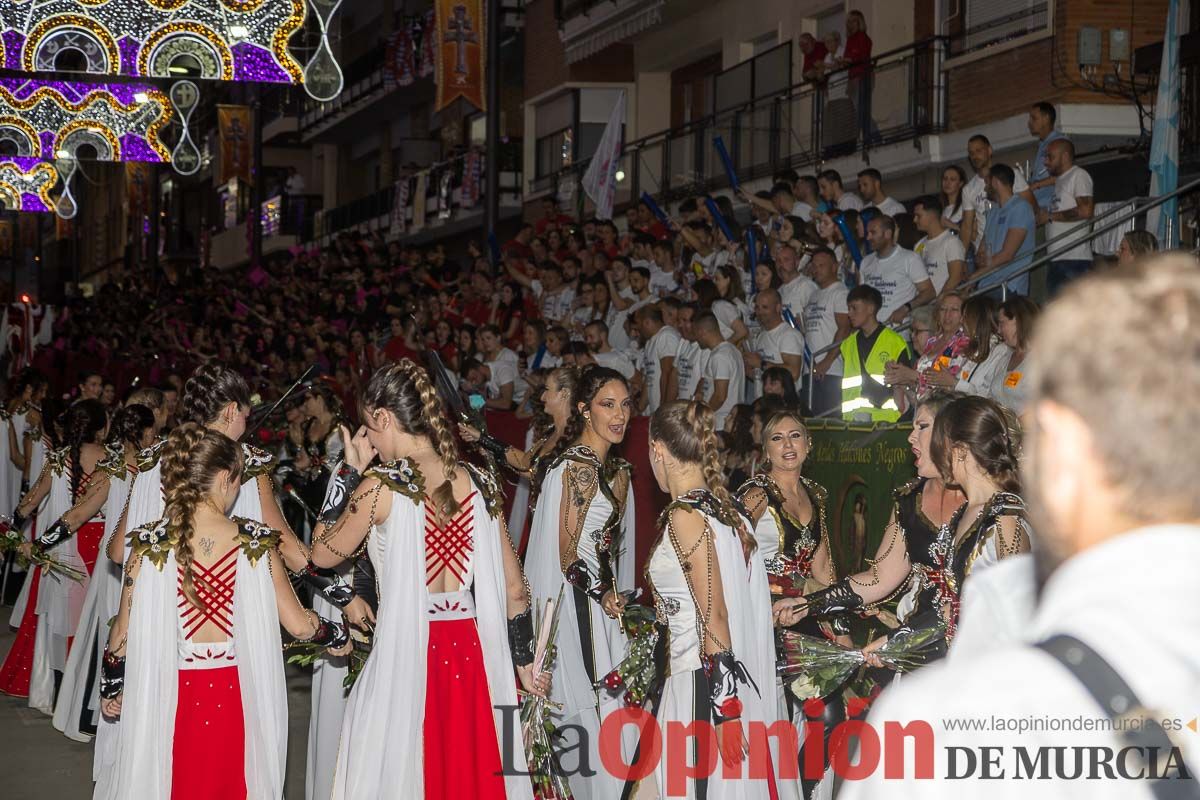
{"x":66,"y":164}
{"x":121,"y":122}
{"x":185,"y":157}
{"x":232,"y":40}
{"x":25,"y":184}
{"x":322,"y":75}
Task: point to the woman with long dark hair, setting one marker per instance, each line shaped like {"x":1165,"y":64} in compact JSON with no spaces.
{"x":954,"y":178}
{"x":581,"y":544}
{"x":41,"y":646}
{"x":193,"y":666}
{"x":710,"y":592}
{"x":974,"y":446}
{"x":450,"y":588}
{"x":27,"y":443}
{"x":77,"y":711}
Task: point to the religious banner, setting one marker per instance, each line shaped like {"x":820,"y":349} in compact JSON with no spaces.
{"x":137,"y":189}
{"x":460,"y":37}
{"x":234,"y":123}
{"x":860,"y":465}
{"x":399,"y":220}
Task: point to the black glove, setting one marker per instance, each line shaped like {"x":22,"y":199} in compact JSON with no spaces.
{"x":520,"y":638}
{"x":836,"y":599}
{"x":55,"y":535}
{"x":493,"y":445}
{"x":341,"y":487}
{"x":330,"y":635}
{"x":24,"y":486}
{"x":329,"y":583}
{"x":364,"y":582}
{"x":112,"y":675}
{"x":723,"y":673}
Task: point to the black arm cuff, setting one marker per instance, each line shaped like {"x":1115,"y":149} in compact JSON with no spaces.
{"x":112,"y":675}
{"x":364,"y":582}
{"x":722,"y":671}
{"x":329,"y":583}
{"x":836,"y":599}
{"x":330,"y":634}
{"x":55,"y":535}
{"x":341,"y":487}
{"x":494,"y":446}
{"x":18,"y":519}
{"x":520,"y":638}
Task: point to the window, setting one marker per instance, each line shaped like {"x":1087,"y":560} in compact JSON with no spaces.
{"x":979,"y":24}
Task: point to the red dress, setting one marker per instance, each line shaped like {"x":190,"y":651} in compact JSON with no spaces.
{"x":458,"y":705}
{"x":209,"y":748}
{"x":17,"y":670}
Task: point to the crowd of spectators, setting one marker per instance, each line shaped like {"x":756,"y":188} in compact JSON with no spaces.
{"x":691,"y":305}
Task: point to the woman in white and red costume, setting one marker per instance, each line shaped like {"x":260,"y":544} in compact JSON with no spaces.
{"x":425,"y":718}
{"x":193,"y":665}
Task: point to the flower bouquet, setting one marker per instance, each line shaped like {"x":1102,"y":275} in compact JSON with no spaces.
{"x":818,"y":667}
{"x":306,"y":653}
{"x":11,"y":541}
{"x":638,"y":671}
{"x":537,"y":728}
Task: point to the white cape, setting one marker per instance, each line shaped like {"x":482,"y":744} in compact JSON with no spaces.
{"x":381,"y":754}
{"x":146,"y":732}
{"x":99,"y":606}
{"x":582,"y":704}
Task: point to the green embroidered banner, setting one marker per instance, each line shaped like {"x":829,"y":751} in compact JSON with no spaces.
{"x":860,"y":465}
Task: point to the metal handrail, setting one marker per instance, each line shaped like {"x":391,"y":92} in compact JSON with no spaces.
{"x":1037,"y":263}
{"x":796,"y":90}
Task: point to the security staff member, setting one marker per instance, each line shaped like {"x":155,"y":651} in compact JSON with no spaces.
{"x":865,"y":398}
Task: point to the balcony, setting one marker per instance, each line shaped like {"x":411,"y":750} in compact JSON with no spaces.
{"x":589,"y":26}
{"x":801,"y":126}
{"x":442,"y":213}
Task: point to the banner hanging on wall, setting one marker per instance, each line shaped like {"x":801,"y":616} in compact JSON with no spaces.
{"x":236,"y":132}
{"x":460,"y":35}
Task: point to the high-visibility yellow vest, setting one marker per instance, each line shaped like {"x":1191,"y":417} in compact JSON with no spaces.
{"x":889,"y":346}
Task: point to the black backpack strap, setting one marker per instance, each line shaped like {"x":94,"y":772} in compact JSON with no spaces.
{"x":1120,"y":704}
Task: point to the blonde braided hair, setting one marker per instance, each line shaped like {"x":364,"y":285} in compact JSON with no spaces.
{"x":190,"y":460}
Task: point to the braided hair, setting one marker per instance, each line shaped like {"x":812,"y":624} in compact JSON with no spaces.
{"x":28,"y":379}
{"x":128,"y":424}
{"x":192,"y":457}
{"x":989,"y":434}
{"x":687,"y":429}
{"x":209,"y":389}
{"x":81,"y":424}
{"x":404,"y":388}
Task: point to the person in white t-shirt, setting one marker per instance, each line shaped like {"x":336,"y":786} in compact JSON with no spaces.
{"x":870,"y":187}
{"x":724,"y":382}
{"x":832,"y":192}
{"x":826,"y":324}
{"x":944,"y":255}
{"x":975,"y":202}
{"x":689,"y":358}
{"x":621,"y":328}
{"x":487,"y":339}
{"x":664,"y":277}
{"x":595,"y":336}
{"x":797,"y":287}
{"x":554,"y":296}
{"x":778,"y":344}
{"x":1073,"y":203}
{"x":898,"y":275}
{"x":658,"y":358}
{"x":497,"y":381}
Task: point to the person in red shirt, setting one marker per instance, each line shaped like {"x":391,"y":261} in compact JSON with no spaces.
{"x":648,"y":223}
{"x":551,"y":218}
{"x":397,"y":347}
{"x":814,"y":53}
{"x":520,"y":243}
{"x":857,"y":55}
{"x":477,"y":310}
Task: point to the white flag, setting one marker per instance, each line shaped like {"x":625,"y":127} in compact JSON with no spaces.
{"x":600,"y":180}
{"x":1164,"y":144}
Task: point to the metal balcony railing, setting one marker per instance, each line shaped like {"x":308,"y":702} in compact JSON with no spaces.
{"x":901,"y":95}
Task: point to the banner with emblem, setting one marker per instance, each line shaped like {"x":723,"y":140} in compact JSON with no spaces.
{"x":236,"y":131}
{"x":860,"y":465}
{"x":460,"y":34}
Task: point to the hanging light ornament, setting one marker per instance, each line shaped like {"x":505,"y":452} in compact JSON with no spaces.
{"x":185,"y":157}
{"x":322,"y":75}
{"x":65,"y":206}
